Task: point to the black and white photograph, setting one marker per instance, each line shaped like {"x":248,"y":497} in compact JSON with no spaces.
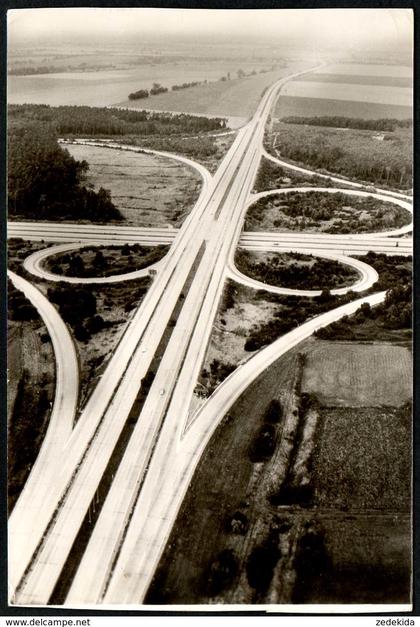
{"x":209,"y":321}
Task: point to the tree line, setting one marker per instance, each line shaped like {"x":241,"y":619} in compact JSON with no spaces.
{"x":83,"y":120}
{"x":337,"y":121}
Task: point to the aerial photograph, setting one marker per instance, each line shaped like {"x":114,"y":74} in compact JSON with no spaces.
{"x":209,"y":329}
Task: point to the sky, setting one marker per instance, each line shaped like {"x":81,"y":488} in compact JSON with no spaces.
{"x":335,"y":26}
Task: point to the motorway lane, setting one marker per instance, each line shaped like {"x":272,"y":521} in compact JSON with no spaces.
{"x":367,"y":277}
{"x":93,"y":234}
{"x":335,"y":179}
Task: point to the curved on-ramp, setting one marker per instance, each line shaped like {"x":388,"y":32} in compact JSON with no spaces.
{"x":34,"y":265}
{"x":64,"y":406}
{"x":368,"y":276}
{"x":407,"y":228}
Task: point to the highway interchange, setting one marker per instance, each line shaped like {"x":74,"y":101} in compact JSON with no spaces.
{"x":157,"y":465}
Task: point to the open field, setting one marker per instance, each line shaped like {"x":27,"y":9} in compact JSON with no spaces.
{"x":348,"y":374}
{"x":236,"y":97}
{"x":310,"y":106}
{"x":366,"y":69}
{"x":147,"y":189}
{"x":108,"y":87}
{"x":381,"y":94}
{"x":354,"y":79}
{"x":295,"y":270}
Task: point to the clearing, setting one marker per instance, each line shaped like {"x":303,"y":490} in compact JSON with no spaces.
{"x":149,"y":190}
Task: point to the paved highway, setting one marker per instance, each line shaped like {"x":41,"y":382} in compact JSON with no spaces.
{"x":207,"y":237}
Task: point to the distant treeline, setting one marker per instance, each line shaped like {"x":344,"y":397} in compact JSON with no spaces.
{"x":82,"y":120}
{"x":30,"y":70}
{"x":336,"y":121}
{"x":46,"y":182}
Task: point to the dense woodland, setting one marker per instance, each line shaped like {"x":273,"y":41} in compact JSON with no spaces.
{"x":81,"y":120}
{"x":45,"y":182}
{"x":296,"y":271}
{"x":382,"y":160}
{"x":336,"y":121}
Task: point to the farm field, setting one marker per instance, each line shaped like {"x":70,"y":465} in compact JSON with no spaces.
{"x":349,"y":374}
{"x":363,"y":459}
{"x":106,"y":87}
{"x":148,"y":190}
{"x":237,"y":97}
{"x":306,"y":106}
{"x":111,"y":87}
{"x":382,"y":94}
{"x":350,"y":90}
{"x":359,"y":516}
{"x":365,"y":69}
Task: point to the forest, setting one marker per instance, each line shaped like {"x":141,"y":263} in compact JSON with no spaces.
{"x":45,"y":182}
{"x":384,"y":160}
{"x":81,"y":120}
